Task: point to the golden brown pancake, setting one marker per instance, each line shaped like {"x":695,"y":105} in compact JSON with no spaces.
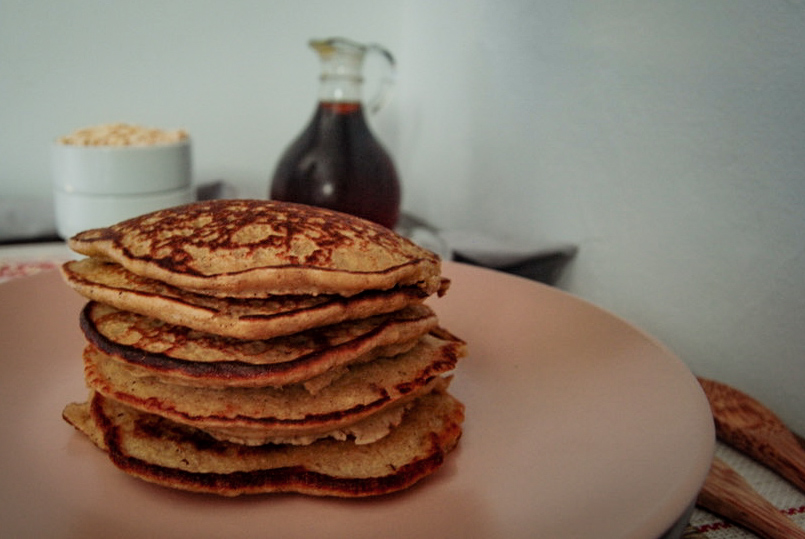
{"x":185,"y":356}
{"x":245,"y":346}
{"x":256,"y":415}
{"x":160,"y":451}
{"x":242,"y":318}
{"x":255,"y":248}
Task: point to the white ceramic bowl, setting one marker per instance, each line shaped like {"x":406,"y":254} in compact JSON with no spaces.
{"x":128,"y":170}
{"x":76,"y":212}
{"x":96,"y":186}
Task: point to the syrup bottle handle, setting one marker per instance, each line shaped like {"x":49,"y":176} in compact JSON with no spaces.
{"x":387,"y":80}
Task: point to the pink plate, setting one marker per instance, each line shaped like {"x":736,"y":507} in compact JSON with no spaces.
{"x":578,"y":425}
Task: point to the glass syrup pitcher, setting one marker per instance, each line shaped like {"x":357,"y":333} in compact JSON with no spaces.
{"x":336,"y":162}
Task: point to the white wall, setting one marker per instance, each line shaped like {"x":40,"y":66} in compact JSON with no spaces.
{"x":666,"y":139}
{"x":238,"y":75}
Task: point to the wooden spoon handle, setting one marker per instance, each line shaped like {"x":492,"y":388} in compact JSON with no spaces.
{"x":750,"y":427}
{"x":726,"y":493}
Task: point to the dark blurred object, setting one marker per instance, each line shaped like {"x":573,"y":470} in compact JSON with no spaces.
{"x":24,"y":220}
{"x":215,"y":190}
{"x":539,"y":262}
{"x":545,"y":267}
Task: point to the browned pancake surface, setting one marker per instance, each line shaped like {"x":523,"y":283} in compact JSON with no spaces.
{"x":241,"y":318}
{"x":365,"y":389}
{"x":251,"y":248}
{"x":196,"y":358}
{"x":160,"y":451}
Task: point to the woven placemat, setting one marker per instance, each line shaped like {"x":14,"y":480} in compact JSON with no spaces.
{"x":21,"y":261}
{"x":782,"y":494}
{"x":14,"y":270}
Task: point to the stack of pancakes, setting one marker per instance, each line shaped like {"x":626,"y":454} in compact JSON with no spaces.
{"x":247,"y":346}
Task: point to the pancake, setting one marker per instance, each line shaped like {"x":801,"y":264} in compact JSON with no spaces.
{"x":256,"y":248}
{"x":242,"y":318}
{"x":188,"y":357}
{"x":162,"y":452}
{"x":256,"y":415}
{"x":238,"y":347}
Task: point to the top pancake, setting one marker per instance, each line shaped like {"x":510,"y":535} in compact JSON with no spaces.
{"x":257,"y":248}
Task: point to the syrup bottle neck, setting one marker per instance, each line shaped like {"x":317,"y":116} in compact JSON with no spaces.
{"x":340,"y":88}
{"x":341,"y":78}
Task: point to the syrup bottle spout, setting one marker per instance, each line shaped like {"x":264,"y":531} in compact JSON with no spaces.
{"x":342,"y":71}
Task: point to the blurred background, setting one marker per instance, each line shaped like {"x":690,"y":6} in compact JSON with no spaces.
{"x":665,"y":139}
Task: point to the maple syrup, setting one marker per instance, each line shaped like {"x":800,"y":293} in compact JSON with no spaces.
{"x":336,"y":162}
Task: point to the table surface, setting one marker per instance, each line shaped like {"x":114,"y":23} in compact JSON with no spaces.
{"x":18,"y":261}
